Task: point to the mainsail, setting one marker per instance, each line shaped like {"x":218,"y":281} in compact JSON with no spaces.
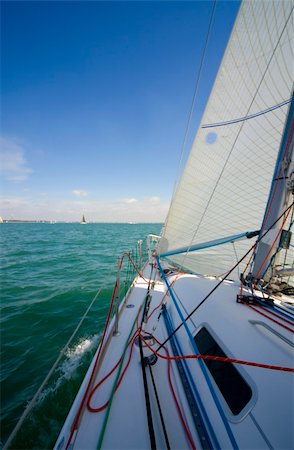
{"x":224,"y":187}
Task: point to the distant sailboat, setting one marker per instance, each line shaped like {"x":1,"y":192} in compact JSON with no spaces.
{"x":199,"y":351}
{"x":83,"y":221}
{"x":185,"y":361}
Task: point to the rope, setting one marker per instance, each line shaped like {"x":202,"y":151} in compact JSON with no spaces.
{"x":146,"y":391}
{"x":101,"y":408}
{"x":47,"y":378}
{"x":276,"y":177}
{"x":106,"y":417}
{"x":194,"y":98}
{"x":248,"y":117}
{"x":160,"y":410}
{"x":198,"y":412}
{"x":133,"y":264}
{"x":220,"y":358}
{"x":277,"y":313}
{"x":226,"y":275}
{"x":82,"y":404}
{"x":270,"y":318}
{"x":180,"y":413}
{"x":131,"y":342}
{"x":203,"y":368}
{"x":237,"y":136}
{"x":278,"y":248}
{"x":271,"y":247}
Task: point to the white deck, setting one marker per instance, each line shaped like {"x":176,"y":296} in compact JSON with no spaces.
{"x":265,"y":422}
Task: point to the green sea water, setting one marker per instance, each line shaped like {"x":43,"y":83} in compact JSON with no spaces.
{"x":49,"y":275}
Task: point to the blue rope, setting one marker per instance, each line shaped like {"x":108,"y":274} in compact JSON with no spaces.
{"x":201,"y":363}
{"x":278,"y":310}
{"x":250,"y":116}
{"x":197,"y":400}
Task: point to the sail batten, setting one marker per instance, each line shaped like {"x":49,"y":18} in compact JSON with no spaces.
{"x":225,"y":184}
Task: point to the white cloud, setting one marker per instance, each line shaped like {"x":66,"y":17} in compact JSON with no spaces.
{"x":13,"y":164}
{"x":148,"y":209}
{"x":79,"y":193}
{"x":154,"y":199}
{"x":131,"y":200}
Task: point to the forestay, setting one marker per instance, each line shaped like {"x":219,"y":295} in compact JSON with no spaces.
{"x":225,"y":184}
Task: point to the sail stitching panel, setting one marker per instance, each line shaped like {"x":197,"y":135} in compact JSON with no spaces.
{"x":238,"y":134}
{"x":248,"y":117}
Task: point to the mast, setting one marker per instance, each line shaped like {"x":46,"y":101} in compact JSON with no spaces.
{"x":280,"y":197}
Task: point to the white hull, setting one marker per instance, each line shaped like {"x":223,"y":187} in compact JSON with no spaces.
{"x":265,"y":421}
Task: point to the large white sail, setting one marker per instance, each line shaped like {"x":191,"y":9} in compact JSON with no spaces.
{"x":225,"y":184}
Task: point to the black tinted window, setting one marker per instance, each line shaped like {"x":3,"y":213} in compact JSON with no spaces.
{"x":233,"y":387}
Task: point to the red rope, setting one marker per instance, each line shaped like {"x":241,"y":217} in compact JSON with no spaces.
{"x":133,"y":264}
{"x":271,"y":247}
{"x":276,"y":315}
{"x":136,"y":334}
{"x":168,"y":357}
{"x":82,"y":404}
{"x":166,"y":292}
{"x":279,"y":173}
{"x":222,"y":359}
{"x":180,"y":413}
{"x":101,"y":408}
{"x":270,"y":318}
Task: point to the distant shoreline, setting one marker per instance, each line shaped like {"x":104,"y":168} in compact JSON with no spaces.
{"x":77,"y":222}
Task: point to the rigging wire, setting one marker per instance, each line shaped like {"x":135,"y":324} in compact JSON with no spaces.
{"x":271,"y":247}
{"x":85,"y":396}
{"x":47,"y":378}
{"x":188,"y":126}
{"x":202,"y":366}
{"x":238,"y":134}
{"x":226,"y":276}
{"x":130,"y":342}
{"x":82,"y":404}
{"x":278,"y":249}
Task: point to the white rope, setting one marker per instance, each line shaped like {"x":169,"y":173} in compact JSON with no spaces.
{"x":52,"y":370}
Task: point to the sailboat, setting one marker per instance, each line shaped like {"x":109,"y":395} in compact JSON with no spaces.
{"x":199,"y":353}
{"x":83,"y":221}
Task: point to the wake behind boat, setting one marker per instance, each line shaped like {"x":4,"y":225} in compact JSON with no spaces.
{"x":199,"y":353}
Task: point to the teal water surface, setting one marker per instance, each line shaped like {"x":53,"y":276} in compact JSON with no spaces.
{"x":50,"y":274}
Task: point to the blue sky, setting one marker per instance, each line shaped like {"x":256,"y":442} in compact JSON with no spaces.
{"x":95,"y":101}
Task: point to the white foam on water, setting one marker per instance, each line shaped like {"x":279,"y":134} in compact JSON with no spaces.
{"x":73,"y":359}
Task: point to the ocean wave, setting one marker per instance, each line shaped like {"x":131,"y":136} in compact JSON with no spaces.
{"x":73,"y":360}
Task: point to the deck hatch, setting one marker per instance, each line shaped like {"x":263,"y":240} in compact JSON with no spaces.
{"x":232,"y":385}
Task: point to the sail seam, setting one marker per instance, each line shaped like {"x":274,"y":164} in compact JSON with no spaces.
{"x":250,"y":116}
{"x":241,"y":127}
